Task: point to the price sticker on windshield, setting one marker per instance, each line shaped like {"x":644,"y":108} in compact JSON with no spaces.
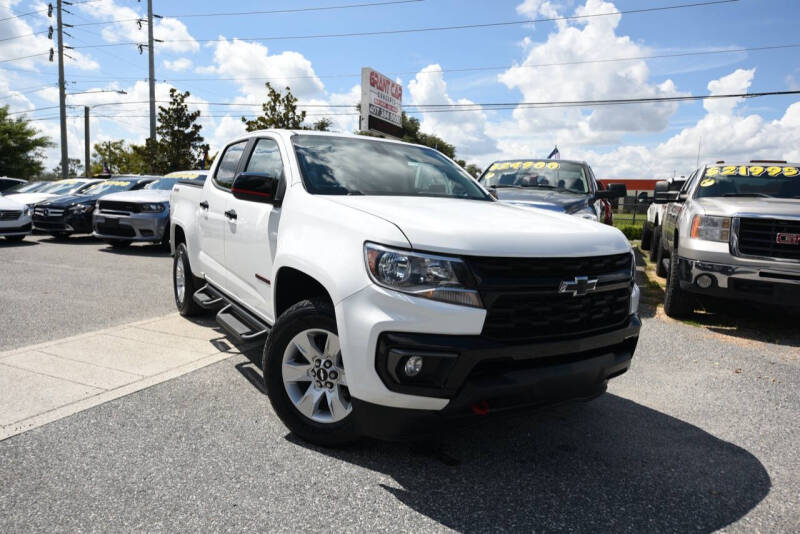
{"x":116,"y":182}
{"x":772,"y":171}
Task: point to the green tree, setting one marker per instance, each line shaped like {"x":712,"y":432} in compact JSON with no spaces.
{"x":117,"y":157}
{"x":180,"y":145}
{"x":75,"y":168}
{"x":21,"y":147}
{"x":471,"y":168}
{"x":280,"y":111}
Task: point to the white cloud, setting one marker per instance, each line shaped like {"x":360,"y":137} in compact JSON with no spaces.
{"x":466,"y":129}
{"x":248,"y":63}
{"x":736,"y":82}
{"x":178,"y":65}
{"x":129,"y":29}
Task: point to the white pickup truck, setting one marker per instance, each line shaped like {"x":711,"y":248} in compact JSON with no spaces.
{"x":394,"y":292}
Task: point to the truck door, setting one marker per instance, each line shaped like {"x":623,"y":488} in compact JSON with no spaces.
{"x":212,"y":220}
{"x":251,"y":234}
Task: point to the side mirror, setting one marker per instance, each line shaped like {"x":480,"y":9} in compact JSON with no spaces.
{"x":613,"y":191}
{"x":255,"y":187}
{"x":662,"y":194}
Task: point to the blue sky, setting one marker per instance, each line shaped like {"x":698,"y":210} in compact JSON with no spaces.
{"x":632,"y":141}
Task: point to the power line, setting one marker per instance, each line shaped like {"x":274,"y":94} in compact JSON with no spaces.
{"x":437,"y":28}
{"x":24,"y":57}
{"x":21,"y":15}
{"x":439,"y":108}
{"x":260,"y":12}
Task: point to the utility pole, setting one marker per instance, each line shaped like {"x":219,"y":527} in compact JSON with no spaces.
{"x":86,"y":140}
{"x":62,"y":95}
{"x":150,"y":53}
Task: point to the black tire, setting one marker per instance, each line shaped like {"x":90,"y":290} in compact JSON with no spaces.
{"x":307,"y":314}
{"x":59,"y":236}
{"x":655,"y":242}
{"x":677,"y":302}
{"x":117,"y":243}
{"x":660,"y":269}
{"x":14,"y":238}
{"x":186,"y":304}
{"x":647,"y":233}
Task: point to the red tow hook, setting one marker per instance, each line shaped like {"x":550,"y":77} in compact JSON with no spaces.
{"x":480,"y":407}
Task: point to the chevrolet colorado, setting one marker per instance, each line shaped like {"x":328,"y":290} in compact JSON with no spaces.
{"x":394,"y":292}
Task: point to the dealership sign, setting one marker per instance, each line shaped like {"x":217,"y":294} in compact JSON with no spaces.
{"x":381,"y":104}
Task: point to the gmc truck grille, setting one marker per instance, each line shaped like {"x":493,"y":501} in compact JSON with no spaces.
{"x":760,"y":237}
{"x":10,"y":215}
{"x":523,"y":301}
{"x":111,"y":205}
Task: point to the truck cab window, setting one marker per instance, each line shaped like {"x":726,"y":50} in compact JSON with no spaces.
{"x":226,"y":171}
{"x":266,"y":158}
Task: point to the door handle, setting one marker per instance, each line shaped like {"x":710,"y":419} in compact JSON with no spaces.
{"x":231,"y":214}
{"x":204,"y":205}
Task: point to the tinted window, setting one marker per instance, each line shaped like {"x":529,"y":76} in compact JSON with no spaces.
{"x":163,"y":184}
{"x":226,"y":171}
{"x":266,"y":158}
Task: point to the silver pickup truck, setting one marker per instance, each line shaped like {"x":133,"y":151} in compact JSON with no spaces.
{"x":732,"y":231}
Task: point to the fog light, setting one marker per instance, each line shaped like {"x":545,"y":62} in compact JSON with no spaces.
{"x":704,"y":281}
{"x":413,"y":366}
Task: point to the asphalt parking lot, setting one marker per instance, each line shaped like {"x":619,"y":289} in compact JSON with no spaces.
{"x":51,"y":289}
{"x":700,"y":435}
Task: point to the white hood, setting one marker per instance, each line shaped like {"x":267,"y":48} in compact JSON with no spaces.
{"x":8,"y":203}
{"x":481,"y":228}
{"x":30,"y":198}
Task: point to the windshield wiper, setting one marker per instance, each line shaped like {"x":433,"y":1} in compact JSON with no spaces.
{"x":502,"y":186}
{"x":541,"y":186}
{"x":747,"y":195}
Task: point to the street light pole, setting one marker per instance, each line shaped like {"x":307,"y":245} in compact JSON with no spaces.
{"x":86,"y":138}
{"x":62,"y":96}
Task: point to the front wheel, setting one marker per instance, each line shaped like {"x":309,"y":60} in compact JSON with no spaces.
{"x":660,"y":269}
{"x":184,"y":283}
{"x":677,"y":302}
{"x":305,"y":376}
{"x":655,"y":242}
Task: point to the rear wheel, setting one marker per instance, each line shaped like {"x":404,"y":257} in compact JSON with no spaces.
{"x":660,"y":269}
{"x":305,"y":376}
{"x":677,"y":302}
{"x":647,"y":233}
{"x":184,"y":284}
{"x":655,"y":242}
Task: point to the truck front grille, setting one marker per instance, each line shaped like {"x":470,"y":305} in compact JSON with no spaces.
{"x":759,"y":237}
{"x":116,"y":206}
{"x":10,"y":215}
{"x":523,"y":301}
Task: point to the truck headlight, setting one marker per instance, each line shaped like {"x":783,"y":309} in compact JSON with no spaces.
{"x":711,"y":228}
{"x":153,"y":208}
{"x":423,"y":275}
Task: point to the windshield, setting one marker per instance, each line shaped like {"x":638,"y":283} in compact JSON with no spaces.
{"x":543,"y":174}
{"x":777,"y":181}
{"x":62,"y":187}
{"x":346,"y":166}
{"x":26,"y":187}
{"x":110,"y":186}
{"x":163,"y":184}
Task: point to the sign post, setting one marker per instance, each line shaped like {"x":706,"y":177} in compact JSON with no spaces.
{"x":381,"y":104}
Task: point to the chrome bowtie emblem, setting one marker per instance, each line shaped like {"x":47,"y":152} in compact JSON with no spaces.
{"x":579,"y":287}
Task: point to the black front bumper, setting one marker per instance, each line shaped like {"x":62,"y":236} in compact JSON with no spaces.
{"x":71,"y":223}
{"x":484,"y":377}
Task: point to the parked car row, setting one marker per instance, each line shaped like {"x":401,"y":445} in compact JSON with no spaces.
{"x":730,"y":231}
{"x":120,"y":209}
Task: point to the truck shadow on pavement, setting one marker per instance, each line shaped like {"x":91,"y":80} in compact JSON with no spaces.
{"x":153,"y":251}
{"x":609,"y":465}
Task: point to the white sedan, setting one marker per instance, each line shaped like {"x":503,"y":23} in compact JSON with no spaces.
{"x":15,"y":220}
